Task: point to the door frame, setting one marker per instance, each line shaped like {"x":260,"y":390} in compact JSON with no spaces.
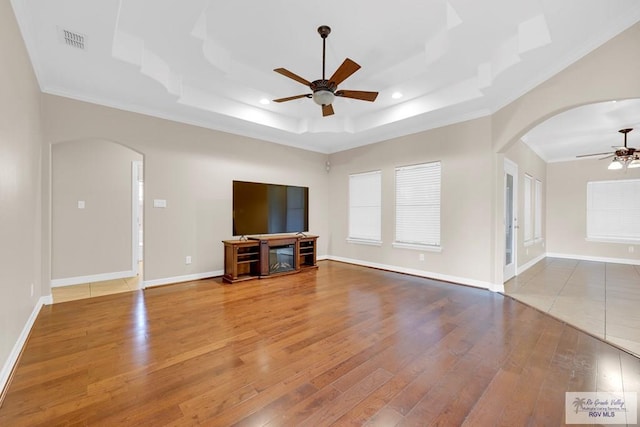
{"x":509,"y":270}
{"x":135,"y":212}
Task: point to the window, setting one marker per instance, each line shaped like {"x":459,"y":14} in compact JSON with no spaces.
{"x":613,"y":209}
{"x":537,"y":219}
{"x":418,"y":206}
{"x":528,"y":224}
{"x":364,"y":207}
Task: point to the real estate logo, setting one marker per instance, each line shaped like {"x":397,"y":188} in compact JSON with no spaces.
{"x":601,"y":407}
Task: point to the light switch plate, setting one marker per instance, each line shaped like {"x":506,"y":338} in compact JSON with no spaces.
{"x":80,"y":204}
{"x":159,"y":203}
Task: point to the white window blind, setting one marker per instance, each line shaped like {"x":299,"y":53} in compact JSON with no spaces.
{"x":613,"y":210}
{"x":365,"y":206}
{"x":418,"y":204}
{"x":528,"y":225}
{"x":537,"y":227}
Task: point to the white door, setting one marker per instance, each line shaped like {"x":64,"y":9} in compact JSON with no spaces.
{"x":510,"y":218}
{"x":137,"y":205}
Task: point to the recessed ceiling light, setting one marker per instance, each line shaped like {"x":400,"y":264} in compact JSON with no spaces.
{"x":396,"y":95}
{"x":264,"y":101}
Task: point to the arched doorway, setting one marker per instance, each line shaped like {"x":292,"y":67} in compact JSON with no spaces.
{"x":95,"y":218}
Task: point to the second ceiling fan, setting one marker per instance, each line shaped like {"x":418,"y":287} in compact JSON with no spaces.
{"x":325,"y":90}
{"x":624,"y":157}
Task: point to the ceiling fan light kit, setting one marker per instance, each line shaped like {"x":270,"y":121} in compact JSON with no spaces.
{"x":615,"y":165}
{"x":323,"y":91}
{"x":323,"y":97}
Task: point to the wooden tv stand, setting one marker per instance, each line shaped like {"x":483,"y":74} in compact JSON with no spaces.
{"x":267,"y":256}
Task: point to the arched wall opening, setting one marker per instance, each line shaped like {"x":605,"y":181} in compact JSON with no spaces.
{"x":95,"y":211}
{"x":597,"y":77}
{"x":565,"y":181}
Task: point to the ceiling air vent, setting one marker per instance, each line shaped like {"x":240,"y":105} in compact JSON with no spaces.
{"x":73,"y":39}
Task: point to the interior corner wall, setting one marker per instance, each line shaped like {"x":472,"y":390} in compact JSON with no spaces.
{"x":567,"y":193}
{"x":192,"y":169}
{"x":531,"y":164}
{"x":464,"y":150}
{"x":95,"y":239}
{"x":20,"y":192}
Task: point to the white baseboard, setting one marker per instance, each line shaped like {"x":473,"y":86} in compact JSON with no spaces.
{"x":594,"y":258}
{"x":68,"y":281}
{"x":9,"y":364}
{"x":178,"y":279}
{"x":422,"y":273}
{"x":530,"y":264}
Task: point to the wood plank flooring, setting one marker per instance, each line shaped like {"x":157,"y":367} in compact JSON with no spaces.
{"x":341,"y":345}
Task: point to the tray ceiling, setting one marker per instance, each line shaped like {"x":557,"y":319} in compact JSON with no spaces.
{"x":210,"y":63}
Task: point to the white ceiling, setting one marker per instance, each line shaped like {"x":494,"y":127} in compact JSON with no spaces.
{"x":210,"y":63}
{"x":589,"y":129}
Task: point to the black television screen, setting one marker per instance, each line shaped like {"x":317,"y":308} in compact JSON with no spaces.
{"x":260,"y":208}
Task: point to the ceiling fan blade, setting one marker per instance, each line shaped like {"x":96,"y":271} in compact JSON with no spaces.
{"x":594,"y":154}
{"x":327,"y":110}
{"x":358,"y":94}
{"x":607,"y":157}
{"x":347,"y":68}
{"x":291,"y":98}
{"x":293,"y":76}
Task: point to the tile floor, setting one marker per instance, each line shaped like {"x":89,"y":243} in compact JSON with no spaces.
{"x":600,"y":298}
{"x":95,"y":289}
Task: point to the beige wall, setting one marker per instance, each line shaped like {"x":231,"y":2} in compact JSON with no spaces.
{"x":566,"y":209}
{"x":192,"y":169}
{"x":20,"y":236}
{"x":528,"y":163}
{"x":97,"y":239}
{"x":467,"y":198}
{"x":180,"y":156}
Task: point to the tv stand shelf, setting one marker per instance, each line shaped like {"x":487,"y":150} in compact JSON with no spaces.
{"x":268,"y":256}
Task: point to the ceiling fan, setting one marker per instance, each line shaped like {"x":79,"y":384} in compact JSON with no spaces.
{"x":623,"y":156}
{"x":324,"y":91}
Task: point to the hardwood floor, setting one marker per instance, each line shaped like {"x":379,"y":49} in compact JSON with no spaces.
{"x":341,"y":345}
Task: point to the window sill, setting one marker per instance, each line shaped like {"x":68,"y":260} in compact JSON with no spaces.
{"x":417,"y":247}
{"x":364,"y":241}
{"x":613,"y":240}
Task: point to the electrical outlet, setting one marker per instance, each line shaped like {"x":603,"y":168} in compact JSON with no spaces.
{"x":421,"y":257}
{"x":32,"y":289}
{"x":631,"y":249}
{"x":187,"y":260}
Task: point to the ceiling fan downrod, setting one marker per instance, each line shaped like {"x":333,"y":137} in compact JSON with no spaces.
{"x":324,"y":31}
{"x":625,"y":132}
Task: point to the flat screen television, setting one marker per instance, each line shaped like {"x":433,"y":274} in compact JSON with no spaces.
{"x":260,"y":208}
